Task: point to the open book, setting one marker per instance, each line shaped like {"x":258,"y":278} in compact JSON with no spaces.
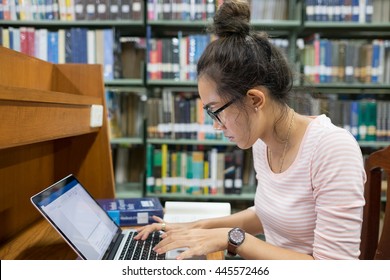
{"x":180,"y":212}
{"x":184,"y":211}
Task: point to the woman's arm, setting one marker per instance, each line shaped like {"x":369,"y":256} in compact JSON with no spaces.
{"x":204,"y":241}
{"x":245,"y":219}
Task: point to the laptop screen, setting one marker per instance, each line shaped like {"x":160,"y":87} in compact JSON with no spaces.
{"x":78,"y":217}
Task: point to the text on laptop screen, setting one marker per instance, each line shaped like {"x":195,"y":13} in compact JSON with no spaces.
{"x":81,"y":219}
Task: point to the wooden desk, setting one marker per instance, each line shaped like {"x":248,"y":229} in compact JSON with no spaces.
{"x":42,"y":242}
{"x":38,"y":242}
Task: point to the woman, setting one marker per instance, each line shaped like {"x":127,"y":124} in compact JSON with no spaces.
{"x":309,"y":199}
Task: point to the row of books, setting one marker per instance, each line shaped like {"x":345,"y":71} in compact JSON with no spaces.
{"x":346,"y":61}
{"x":269,"y":9}
{"x":125,"y":114}
{"x":74,"y":45}
{"x":69,"y":10}
{"x":181,"y":10}
{"x":170,"y":170}
{"x":362,"y":11}
{"x":176,"y":58}
{"x":128,"y":163}
{"x":179,"y":115}
{"x":367,"y":119}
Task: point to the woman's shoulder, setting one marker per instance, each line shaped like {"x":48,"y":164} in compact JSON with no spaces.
{"x":328,"y":137}
{"x":323,"y":127}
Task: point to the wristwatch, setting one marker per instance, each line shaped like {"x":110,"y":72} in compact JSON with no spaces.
{"x":236,"y":237}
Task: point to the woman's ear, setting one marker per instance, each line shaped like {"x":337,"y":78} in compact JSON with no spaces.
{"x":256,"y":98}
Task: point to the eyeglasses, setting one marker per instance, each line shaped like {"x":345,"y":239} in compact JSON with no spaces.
{"x":214,"y":115}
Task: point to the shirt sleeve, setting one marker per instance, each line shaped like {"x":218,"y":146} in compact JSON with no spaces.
{"x":338,"y":188}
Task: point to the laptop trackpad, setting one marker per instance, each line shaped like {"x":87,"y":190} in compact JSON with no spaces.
{"x":171,"y":255}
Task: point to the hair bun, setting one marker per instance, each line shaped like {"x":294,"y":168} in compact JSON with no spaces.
{"x":232,"y":18}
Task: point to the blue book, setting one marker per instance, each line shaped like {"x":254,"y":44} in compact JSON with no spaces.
{"x":108,"y":67}
{"x":1,"y":11}
{"x":132,"y":211}
{"x":83,"y":50}
{"x":355,"y":119}
{"x":375,"y":61}
{"x":52,"y":46}
{"x":74,"y":45}
{"x":11,"y":37}
{"x":355,"y":10}
{"x":79,"y":45}
{"x":309,"y":9}
{"x":191,"y":57}
{"x":369,"y":10}
{"x":68,"y":46}
{"x":49,"y":12}
{"x":16,"y":39}
{"x":323,"y":54}
{"x":328,"y":61}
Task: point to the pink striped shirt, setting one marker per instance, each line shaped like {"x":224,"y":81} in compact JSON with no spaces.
{"x":315,"y":206}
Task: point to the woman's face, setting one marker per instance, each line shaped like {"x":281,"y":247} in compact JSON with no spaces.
{"x":233,"y":122}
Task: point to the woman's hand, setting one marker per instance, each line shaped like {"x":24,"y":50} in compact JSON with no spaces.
{"x":143,"y":232}
{"x":198,"y":242}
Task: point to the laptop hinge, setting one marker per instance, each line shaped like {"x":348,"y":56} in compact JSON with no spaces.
{"x":110,"y":254}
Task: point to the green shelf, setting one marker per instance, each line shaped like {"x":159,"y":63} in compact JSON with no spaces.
{"x":124,"y":83}
{"x":374,"y":144}
{"x":245,"y":196}
{"x":171,"y":83}
{"x":352,"y":26}
{"x":127,"y":141}
{"x":128,"y":190}
{"x":73,"y":23}
{"x":190,"y":142}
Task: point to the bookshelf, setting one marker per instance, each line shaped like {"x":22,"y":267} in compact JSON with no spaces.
{"x":293,"y":28}
{"x":46,"y":134}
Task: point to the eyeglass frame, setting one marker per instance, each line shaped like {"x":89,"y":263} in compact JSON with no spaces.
{"x":214,"y":115}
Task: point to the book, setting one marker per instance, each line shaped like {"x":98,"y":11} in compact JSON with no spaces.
{"x":136,"y":9}
{"x":132,"y":211}
{"x":102,"y":9}
{"x":185,"y":211}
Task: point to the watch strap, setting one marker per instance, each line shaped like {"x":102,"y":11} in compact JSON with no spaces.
{"x":231,"y":249}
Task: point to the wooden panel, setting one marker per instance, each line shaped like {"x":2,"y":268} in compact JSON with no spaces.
{"x":39,"y":242}
{"x":45,"y":135}
{"x":29,"y":122}
{"x":24,"y":170}
{"x":79,"y":79}
{"x":19,"y":70}
{"x":44,"y":96}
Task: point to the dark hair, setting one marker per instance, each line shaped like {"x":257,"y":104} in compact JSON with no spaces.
{"x":241,"y":59}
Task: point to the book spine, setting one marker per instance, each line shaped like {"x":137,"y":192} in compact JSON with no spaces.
{"x":229,"y":173}
{"x":108,"y":71}
{"x":137,"y":9}
{"x":371,"y":108}
{"x":164,"y":168}
{"x":355,"y":119}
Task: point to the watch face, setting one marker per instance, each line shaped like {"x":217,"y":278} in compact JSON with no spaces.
{"x":237,"y":236}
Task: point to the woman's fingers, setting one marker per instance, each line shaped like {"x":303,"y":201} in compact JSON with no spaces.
{"x":144,"y":232}
{"x":157,"y":219}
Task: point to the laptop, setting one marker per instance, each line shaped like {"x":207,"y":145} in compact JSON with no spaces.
{"x":87,"y":228}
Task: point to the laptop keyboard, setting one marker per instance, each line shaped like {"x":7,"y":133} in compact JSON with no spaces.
{"x":141,"y":249}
